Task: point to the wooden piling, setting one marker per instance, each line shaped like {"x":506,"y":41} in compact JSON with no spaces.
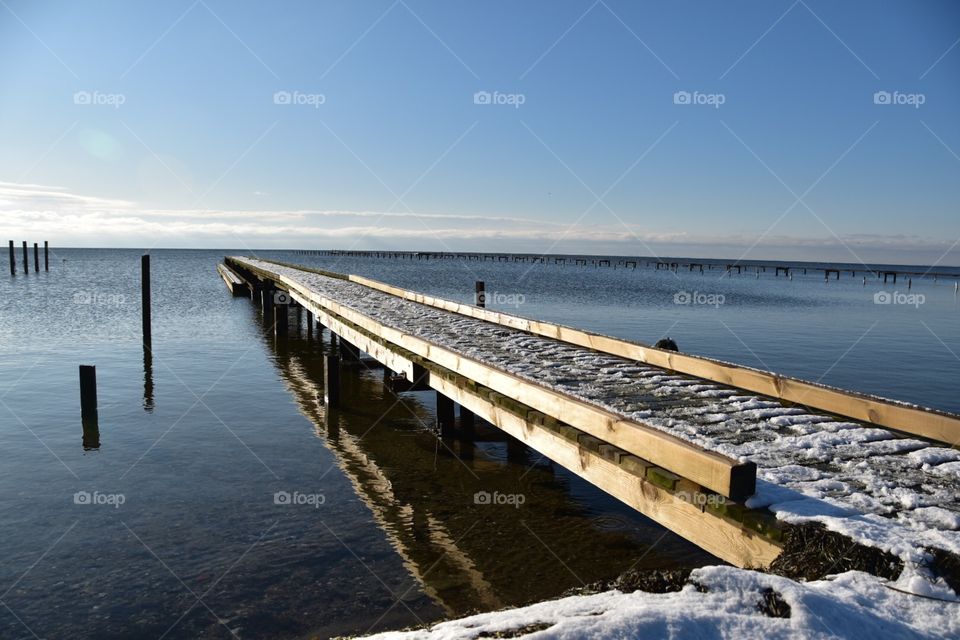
{"x":13,"y":260}
{"x":88,"y":392}
{"x":26,"y":259}
{"x":445,"y":415}
{"x":46,"y":255}
{"x":36,"y":258}
{"x":280,"y":320}
{"x":309,"y":323}
{"x":481,"y":296}
{"x":467,"y":420}
{"x":145,"y":299}
{"x":331,"y":381}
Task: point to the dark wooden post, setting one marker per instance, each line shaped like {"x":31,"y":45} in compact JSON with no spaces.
{"x":46,"y":255}
{"x":13,"y":260}
{"x":467,"y":420}
{"x":280,"y":320}
{"x":481,"y":297}
{"x":309,"y":323}
{"x":331,"y":381}
{"x":88,"y":392}
{"x":445,"y":415}
{"x":36,"y":258}
{"x":26,"y":258}
{"x":145,"y":299}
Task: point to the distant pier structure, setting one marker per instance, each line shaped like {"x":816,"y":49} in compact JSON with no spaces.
{"x":658,"y":264}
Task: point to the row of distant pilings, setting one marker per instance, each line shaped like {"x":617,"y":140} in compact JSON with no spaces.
{"x":633,"y":263}
{"x":26,"y":257}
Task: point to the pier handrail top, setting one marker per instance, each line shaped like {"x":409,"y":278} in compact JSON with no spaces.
{"x":927,"y":422}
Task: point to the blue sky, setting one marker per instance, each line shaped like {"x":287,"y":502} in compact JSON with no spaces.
{"x":167,"y":124}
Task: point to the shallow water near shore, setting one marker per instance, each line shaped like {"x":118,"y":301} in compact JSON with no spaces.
{"x":224,"y":498}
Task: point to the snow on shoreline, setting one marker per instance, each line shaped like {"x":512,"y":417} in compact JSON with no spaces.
{"x":850,"y":605}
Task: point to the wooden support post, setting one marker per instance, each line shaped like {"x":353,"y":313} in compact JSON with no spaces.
{"x":309,"y":323}
{"x":445,"y":415}
{"x":467,"y":420}
{"x":46,"y":255}
{"x":88,"y":392}
{"x":331,"y":381}
{"x":13,"y":260}
{"x":481,"y":296}
{"x":267,"y":291}
{"x":36,"y":258}
{"x":145,"y":299}
{"x":26,"y":258}
{"x":280,"y":320}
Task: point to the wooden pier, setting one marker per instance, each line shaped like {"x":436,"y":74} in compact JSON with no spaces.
{"x":697,"y":492}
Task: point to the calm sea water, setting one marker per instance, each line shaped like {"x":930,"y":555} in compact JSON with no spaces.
{"x":178,"y":523}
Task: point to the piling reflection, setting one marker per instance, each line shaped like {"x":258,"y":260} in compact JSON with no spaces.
{"x":479,"y":520}
{"x":91,"y":434}
{"x":148,"y":403}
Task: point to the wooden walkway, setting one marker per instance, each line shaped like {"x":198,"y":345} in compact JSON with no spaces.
{"x":674,"y":436}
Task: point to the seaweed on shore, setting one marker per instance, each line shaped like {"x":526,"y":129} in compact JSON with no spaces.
{"x":946,"y":565}
{"x":649,"y":580}
{"x":812,"y":552}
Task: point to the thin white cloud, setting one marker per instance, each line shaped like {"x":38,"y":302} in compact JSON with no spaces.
{"x":70,"y":219}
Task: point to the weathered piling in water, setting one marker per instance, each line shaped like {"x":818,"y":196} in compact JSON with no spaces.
{"x":13,"y":260}
{"x":309,"y":323}
{"x":46,"y":255}
{"x":481,"y":294}
{"x":36,"y":258}
{"x":145,"y":299}
{"x":26,"y":259}
{"x":331,"y":380}
{"x":445,"y":415}
{"x":280,"y":320}
{"x":467,"y":420}
{"x":88,"y":392}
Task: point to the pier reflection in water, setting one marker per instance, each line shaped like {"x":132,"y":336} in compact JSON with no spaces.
{"x":482,"y":522}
